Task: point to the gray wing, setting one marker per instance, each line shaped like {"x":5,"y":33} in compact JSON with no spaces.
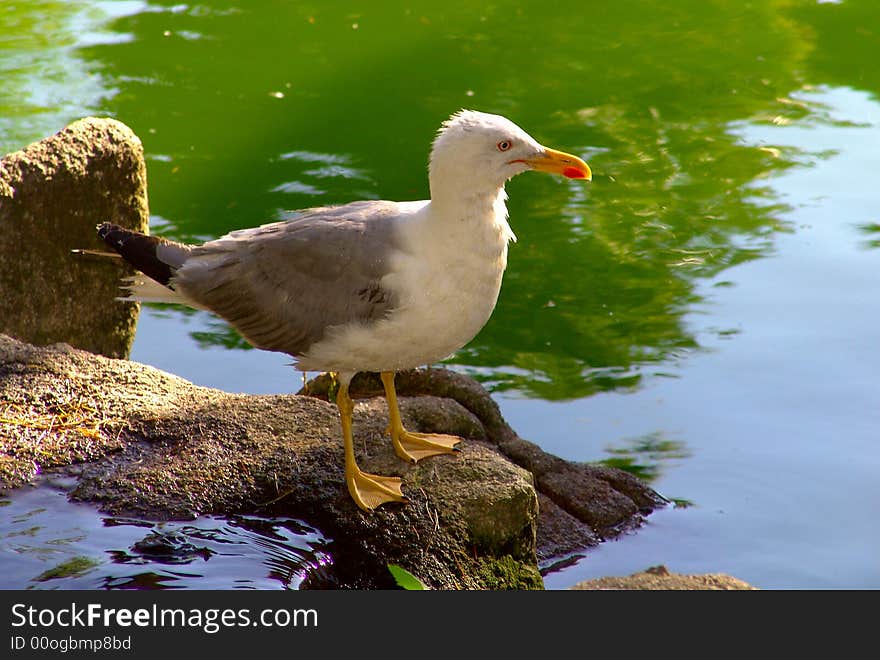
{"x":284,"y":284}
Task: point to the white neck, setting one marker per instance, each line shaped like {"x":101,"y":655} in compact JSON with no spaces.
{"x":471,"y":213}
{"x":452,"y":184}
{"x":466,"y":201}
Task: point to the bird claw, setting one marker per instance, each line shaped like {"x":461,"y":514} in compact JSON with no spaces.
{"x":413,"y":447}
{"x":372,"y":490}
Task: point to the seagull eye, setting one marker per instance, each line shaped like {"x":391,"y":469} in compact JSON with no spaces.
{"x":504,"y":145}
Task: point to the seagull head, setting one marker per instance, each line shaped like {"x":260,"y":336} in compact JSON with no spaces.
{"x":478,"y":152}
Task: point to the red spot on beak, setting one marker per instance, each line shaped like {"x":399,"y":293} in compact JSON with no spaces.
{"x":573,"y":173}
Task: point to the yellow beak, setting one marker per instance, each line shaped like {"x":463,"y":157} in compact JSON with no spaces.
{"x":559,"y":162}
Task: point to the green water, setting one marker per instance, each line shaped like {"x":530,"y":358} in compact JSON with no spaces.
{"x":670,"y":316}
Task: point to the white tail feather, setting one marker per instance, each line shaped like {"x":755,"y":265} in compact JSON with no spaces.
{"x":143,"y":289}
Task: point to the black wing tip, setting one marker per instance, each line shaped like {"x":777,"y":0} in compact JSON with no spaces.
{"x":114,"y":235}
{"x":105,"y":228}
{"x":108,"y":230}
{"x":137,"y":249}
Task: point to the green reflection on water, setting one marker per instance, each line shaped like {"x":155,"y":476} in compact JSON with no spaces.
{"x":246,"y":109}
{"x":45,"y":79}
{"x":73,"y":567}
{"x":646,"y":456}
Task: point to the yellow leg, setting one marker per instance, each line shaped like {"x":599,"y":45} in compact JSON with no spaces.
{"x":408,"y":445}
{"x":367,"y":490}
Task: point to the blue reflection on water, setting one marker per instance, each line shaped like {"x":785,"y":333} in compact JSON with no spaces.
{"x":48,"y":542}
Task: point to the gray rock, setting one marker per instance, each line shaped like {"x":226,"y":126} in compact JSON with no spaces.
{"x":52,"y":194}
{"x":660,"y":578}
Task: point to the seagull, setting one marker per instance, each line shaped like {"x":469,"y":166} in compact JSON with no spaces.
{"x":372,"y":285}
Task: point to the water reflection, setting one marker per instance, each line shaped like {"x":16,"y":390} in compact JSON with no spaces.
{"x":621,"y":266}
{"x":646,"y":456}
{"x":45,"y":80}
{"x":872,"y":231}
{"x":288,"y":551}
{"x":71,"y":568}
{"x":48,"y":542}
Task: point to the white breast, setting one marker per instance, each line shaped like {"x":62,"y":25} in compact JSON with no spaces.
{"x":447,"y":276}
